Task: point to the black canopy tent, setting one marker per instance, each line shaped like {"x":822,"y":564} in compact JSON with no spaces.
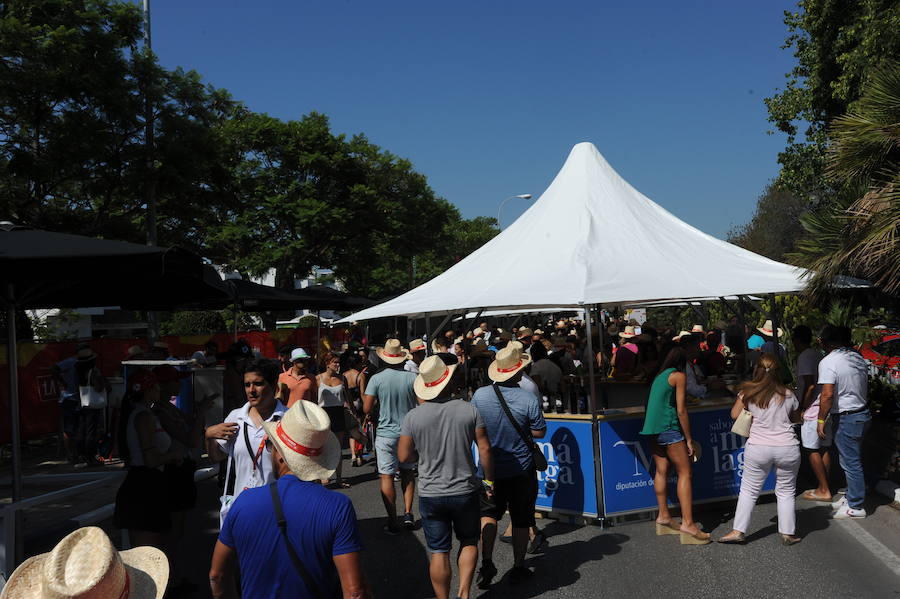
{"x":40,"y":269}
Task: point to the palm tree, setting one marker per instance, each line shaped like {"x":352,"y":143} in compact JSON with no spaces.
{"x":857,"y":231}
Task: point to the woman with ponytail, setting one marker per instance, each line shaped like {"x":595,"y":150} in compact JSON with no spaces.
{"x":772,"y":444}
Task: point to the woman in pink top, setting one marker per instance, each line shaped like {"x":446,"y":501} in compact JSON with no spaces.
{"x":772,"y":444}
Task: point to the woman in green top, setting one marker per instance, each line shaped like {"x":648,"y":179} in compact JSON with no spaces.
{"x":666,"y":422}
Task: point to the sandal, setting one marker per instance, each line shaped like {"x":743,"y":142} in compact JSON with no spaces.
{"x":736,"y":539}
{"x":810,"y":495}
{"x":788,"y":540}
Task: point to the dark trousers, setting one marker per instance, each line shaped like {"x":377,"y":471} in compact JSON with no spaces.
{"x":87,"y":434}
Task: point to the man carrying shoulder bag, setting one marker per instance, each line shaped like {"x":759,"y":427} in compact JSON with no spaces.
{"x":513,"y":418}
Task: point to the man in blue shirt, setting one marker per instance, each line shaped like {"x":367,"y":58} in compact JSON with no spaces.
{"x":515,"y":484}
{"x":320,"y":527}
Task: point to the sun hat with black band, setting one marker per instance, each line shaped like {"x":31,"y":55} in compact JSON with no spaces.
{"x":681,"y":335}
{"x":86,"y":565}
{"x":508,"y":362}
{"x":393,"y":352}
{"x":525,"y":332}
{"x":434,"y":375}
{"x":304,"y":438}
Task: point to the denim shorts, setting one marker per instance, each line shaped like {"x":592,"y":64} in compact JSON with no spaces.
{"x":386,"y":455}
{"x":669,"y":437}
{"x":459,"y":513}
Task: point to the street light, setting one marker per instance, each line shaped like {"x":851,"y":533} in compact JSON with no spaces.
{"x":523,"y":196}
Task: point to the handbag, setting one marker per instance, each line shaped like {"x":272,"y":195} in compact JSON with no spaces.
{"x":537,"y":456}
{"x":90,"y":397}
{"x":743,"y":422}
{"x":311,"y":585}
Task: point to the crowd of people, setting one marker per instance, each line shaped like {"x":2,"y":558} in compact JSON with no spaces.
{"x":285,"y":532}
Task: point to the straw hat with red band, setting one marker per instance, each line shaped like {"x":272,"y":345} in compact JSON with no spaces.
{"x":508,"y":362}
{"x":766,"y":329}
{"x":628,"y":333}
{"x":304,"y":438}
{"x":434,"y":375}
{"x":86,"y":565}
{"x":416,"y":345}
{"x":393,"y":352}
{"x":697,"y":328}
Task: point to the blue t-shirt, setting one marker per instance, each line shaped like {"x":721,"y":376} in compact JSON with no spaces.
{"x":396,"y":397}
{"x":511,"y":456}
{"x":320,"y":524}
{"x":755,"y":342}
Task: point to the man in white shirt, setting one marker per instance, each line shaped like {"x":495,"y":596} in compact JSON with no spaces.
{"x":844,"y":377}
{"x":817,"y":449}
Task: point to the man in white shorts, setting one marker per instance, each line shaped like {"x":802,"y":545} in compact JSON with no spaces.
{"x":817,"y":448}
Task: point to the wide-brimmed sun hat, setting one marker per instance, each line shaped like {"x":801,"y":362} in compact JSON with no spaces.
{"x":393,"y":352}
{"x":525,"y":332}
{"x":87,"y":566}
{"x":697,"y":328}
{"x":628,"y":333}
{"x":766,"y":329}
{"x":682,"y":334}
{"x":434,"y":374}
{"x":508,"y":362}
{"x":417,"y":345}
{"x":304,"y":438}
{"x":84,"y":354}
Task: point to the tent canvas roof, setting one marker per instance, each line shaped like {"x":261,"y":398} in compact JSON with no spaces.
{"x":617,"y":247}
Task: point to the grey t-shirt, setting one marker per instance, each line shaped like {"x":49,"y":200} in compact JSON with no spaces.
{"x":443,"y":431}
{"x":396,"y":397}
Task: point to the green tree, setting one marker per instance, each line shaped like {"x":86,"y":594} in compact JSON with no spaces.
{"x":837,"y":44}
{"x":775,"y":226}
{"x":73,"y":157}
{"x":858,"y":233}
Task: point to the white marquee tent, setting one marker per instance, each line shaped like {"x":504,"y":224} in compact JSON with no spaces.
{"x":616,"y":247}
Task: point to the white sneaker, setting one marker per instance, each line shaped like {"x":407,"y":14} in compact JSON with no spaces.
{"x":849,"y":512}
{"x":836,"y":505}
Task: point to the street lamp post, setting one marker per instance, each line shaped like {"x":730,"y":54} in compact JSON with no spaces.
{"x":522,"y":196}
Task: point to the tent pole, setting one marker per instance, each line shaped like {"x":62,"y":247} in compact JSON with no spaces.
{"x":434,"y":334}
{"x":318,"y":335}
{"x":595,"y":425}
{"x":775,"y":330}
{"x":427,"y":332}
{"x":12,"y":361}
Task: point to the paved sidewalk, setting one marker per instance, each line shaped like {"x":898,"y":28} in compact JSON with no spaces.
{"x":626,"y":561}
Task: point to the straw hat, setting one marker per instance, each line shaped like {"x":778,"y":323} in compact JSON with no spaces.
{"x":697,"y":328}
{"x":84,"y":354}
{"x":766,"y":329}
{"x":508,"y":362}
{"x":538,"y":332}
{"x":434,"y":375}
{"x":304,"y":438}
{"x":525,"y":332}
{"x":479,"y":347}
{"x":629,"y":333}
{"x":393,"y":352}
{"x":681,"y":334}
{"x":417,"y":345}
{"x":87,"y":566}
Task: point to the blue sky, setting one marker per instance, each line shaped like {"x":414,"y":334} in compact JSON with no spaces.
{"x":487,"y":98}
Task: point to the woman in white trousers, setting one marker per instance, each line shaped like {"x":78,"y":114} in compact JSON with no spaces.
{"x":772,"y":444}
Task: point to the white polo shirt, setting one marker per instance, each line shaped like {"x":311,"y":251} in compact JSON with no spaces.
{"x":246,"y":476}
{"x":848,"y":371}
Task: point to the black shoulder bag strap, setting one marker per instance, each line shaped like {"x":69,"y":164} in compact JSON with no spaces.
{"x":282,"y":526}
{"x":537,"y":456}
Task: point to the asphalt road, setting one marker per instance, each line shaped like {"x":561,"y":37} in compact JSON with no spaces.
{"x":835,"y":559}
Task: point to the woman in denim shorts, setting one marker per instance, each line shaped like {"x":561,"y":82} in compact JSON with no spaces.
{"x":666,"y":423}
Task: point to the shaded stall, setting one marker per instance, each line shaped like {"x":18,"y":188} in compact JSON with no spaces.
{"x":618,"y":248}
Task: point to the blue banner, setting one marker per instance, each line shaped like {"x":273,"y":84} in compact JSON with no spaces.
{"x":627,"y":463}
{"x":567,"y":486}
